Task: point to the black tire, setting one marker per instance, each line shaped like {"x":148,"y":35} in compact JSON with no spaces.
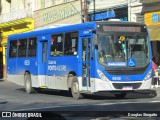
{"x":75,"y":89}
{"x":28,"y":84}
{"x":38,"y":90}
{"x":120,"y":95}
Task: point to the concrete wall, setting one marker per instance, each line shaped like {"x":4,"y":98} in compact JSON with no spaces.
{"x":135,"y":11}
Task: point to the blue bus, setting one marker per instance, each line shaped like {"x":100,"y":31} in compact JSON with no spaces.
{"x":91,"y":57}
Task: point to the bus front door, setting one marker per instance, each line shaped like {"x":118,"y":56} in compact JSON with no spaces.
{"x":86,"y":46}
{"x":42,"y":71}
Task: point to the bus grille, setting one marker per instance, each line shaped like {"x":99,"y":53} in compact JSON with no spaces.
{"x":125,"y":72}
{"x":120,"y":85}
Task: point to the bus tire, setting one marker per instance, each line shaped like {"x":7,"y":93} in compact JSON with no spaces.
{"x":120,"y":95}
{"x":37,"y":90}
{"x":75,"y":89}
{"x":28,"y":84}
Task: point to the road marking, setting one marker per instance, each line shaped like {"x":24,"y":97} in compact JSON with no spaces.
{"x":75,"y":105}
{"x":129,"y":102}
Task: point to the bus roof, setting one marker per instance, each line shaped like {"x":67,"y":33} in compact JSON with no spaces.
{"x":73,"y":27}
{"x":87,"y":25}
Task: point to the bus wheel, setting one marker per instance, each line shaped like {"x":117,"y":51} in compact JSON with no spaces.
{"x":120,"y":95}
{"x":28,"y":84}
{"x":75,"y":89}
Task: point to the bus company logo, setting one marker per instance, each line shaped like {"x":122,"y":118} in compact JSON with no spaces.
{"x":6,"y":114}
{"x":26,"y":62}
{"x":85,"y":32}
{"x":43,"y":37}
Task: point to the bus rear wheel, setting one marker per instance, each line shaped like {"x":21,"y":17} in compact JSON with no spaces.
{"x":75,"y":89}
{"x":120,"y":95}
{"x":28,"y":84}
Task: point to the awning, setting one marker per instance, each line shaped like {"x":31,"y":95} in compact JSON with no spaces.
{"x":154,"y":33}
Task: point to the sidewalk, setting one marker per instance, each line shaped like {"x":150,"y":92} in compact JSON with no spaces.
{"x":2,"y":101}
{"x":156,"y":88}
{"x":3,"y":79}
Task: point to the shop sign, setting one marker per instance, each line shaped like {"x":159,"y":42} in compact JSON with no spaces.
{"x":59,"y":14}
{"x":124,"y":19}
{"x":155,"y":17}
{"x":149,"y":1}
{"x":56,"y":13}
{"x":150,"y":7}
{"x":103,"y":15}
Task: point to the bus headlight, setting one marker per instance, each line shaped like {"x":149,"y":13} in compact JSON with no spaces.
{"x":102,"y":76}
{"x":149,"y":74}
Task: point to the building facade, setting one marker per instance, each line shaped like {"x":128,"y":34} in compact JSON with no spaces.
{"x":135,"y":11}
{"x":61,"y":12}
{"x":16,"y":16}
{"x":151,"y":11}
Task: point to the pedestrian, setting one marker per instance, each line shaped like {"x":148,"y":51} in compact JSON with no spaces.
{"x":154,"y":67}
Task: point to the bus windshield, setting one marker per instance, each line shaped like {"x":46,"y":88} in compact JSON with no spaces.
{"x":127,"y":50}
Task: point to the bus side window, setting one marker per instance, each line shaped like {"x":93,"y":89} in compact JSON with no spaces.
{"x":22,"y":47}
{"x":56,"y":45}
{"x":71,"y":43}
{"x":32,"y":47}
{"x":13,"y":49}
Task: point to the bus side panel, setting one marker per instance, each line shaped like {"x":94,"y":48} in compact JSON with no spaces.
{"x":29,"y":64}
{"x":12,"y":70}
{"x":18,"y":67}
{"x":58,"y":70}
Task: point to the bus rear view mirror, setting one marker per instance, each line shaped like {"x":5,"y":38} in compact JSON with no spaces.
{"x":92,"y":31}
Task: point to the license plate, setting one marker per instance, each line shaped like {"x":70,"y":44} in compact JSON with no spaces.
{"x":127,"y":88}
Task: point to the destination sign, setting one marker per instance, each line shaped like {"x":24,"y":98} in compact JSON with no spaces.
{"x":121,"y":29}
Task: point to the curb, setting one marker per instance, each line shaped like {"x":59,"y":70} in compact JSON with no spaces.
{"x":1,"y":79}
{"x":155,"y":88}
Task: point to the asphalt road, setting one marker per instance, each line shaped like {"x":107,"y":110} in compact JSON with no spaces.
{"x":13,"y":98}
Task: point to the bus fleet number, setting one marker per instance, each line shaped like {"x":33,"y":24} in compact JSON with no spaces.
{"x":116,"y":78}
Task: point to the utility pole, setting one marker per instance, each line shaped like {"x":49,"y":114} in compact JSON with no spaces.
{"x":86,"y":10}
{"x":84,"y":7}
{"x":94,"y":7}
